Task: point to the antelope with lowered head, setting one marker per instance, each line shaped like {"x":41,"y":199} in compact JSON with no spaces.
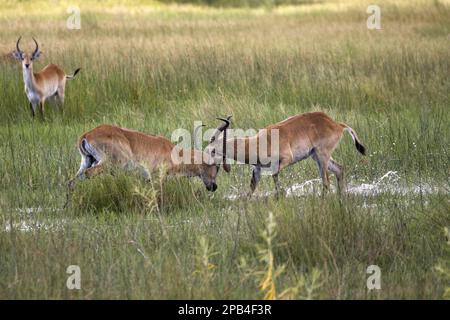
{"x":145,"y":153}
{"x":305,"y":135}
{"x":48,"y":83}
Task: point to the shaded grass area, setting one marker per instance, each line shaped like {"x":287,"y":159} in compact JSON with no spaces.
{"x":158,"y":68}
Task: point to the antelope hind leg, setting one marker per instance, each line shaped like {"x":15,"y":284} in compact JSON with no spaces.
{"x":256,"y":176}
{"x":322,"y":164}
{"x":338,"y":171}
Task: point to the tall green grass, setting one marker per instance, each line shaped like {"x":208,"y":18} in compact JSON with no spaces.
{"x":157,"y":68}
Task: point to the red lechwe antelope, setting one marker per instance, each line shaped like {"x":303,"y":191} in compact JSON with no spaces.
{"x":48,"y":83}
{"x":145,"y":153}
{"x":305,"y":135}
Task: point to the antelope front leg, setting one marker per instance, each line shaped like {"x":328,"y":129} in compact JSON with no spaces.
{"x":276,"y":171}
{"x":32,"y":110}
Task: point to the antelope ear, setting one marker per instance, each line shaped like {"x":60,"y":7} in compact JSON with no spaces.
{"x":17,"y":55}
{"x":227,"y":167}
{"x":36,"y":55}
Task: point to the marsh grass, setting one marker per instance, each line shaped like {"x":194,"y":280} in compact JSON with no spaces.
{"x":122,"y":191}
{"x":114,"y":191}
{"x":156,"y":68}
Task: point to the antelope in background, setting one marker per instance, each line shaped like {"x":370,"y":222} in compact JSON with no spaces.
{"x":305,"y":135}
{"x":144,"y":153}
{"x":49,"y":82}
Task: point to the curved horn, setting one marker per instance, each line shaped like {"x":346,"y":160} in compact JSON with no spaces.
{"x":37,"y":47}
{"x":227,"y":120}
{"x":17,"y":45}
{"x":224,"y":142}
{"x":221,"y":128}
{"x":196,"y":146}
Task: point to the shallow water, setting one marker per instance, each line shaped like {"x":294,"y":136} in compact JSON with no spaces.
{"x":31,"y":224}
{"x":27,"y":226}
{"x":390,"y":183}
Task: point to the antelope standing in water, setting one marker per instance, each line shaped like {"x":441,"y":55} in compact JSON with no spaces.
{"x":39,"y":86}
{"x":305,"y":135}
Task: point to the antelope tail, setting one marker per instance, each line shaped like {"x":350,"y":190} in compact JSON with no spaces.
{"x":74,"y":74}
{"x":358,"y":144}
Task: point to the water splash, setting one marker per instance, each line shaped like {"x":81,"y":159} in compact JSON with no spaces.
{"x":384,"y":184}
{"x":28,"y":226}
{"x":313,"y":186}
{"x":390,"y":182}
